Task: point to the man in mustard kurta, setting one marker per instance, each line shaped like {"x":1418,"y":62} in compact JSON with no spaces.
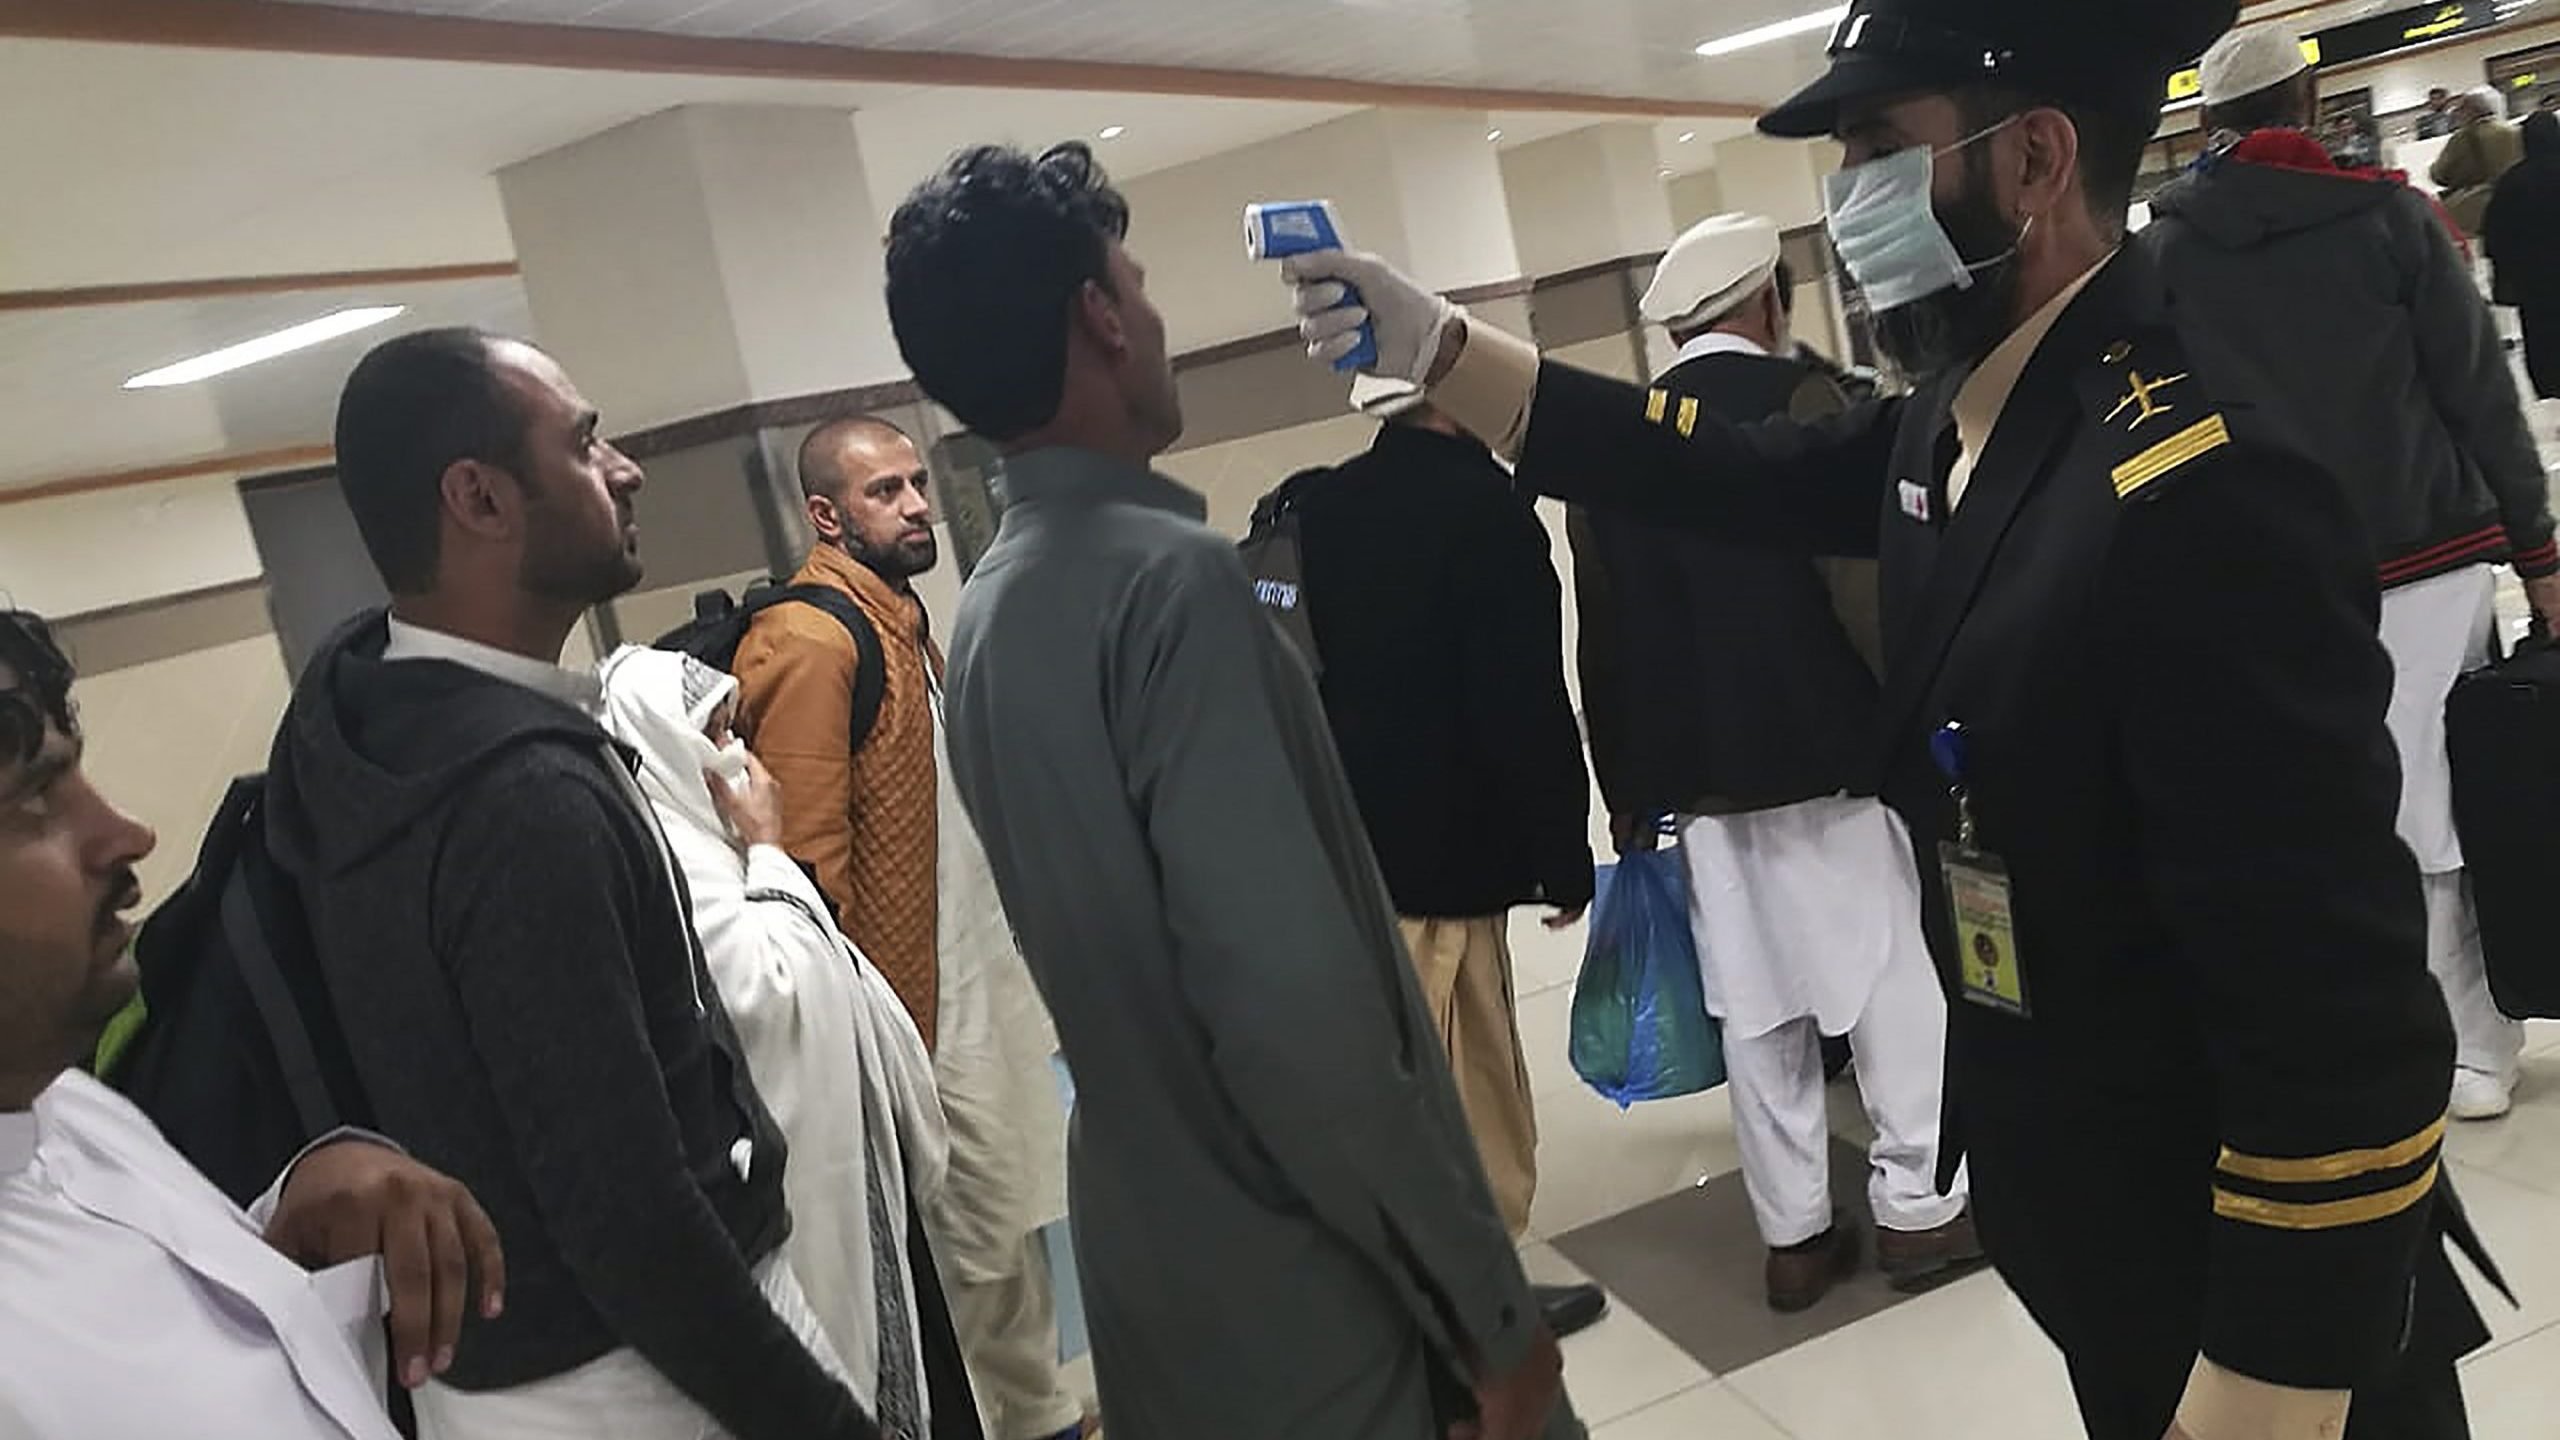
{"x":860,"y":814}
{"x":863,"y":806}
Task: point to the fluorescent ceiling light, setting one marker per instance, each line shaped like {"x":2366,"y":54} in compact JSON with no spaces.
{"x":1493,"y":134}
{"x":1801,"y":25}
{"x":265,"y":347}
{"x":1114,"y":132}
{"x":1688,"y":135}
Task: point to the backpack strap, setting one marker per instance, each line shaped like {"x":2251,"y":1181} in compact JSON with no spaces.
{"x":870,"y":662}
{"x":273,"y":996}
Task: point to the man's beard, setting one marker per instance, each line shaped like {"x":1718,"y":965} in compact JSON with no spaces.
{"x":559,"y":569}
{"x":899,"y":560}
{"x":1959,"y":325}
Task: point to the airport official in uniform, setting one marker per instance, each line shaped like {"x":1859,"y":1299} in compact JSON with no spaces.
{"x":2133,"y":717}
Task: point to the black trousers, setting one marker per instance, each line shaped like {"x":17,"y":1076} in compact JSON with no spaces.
{"x":2542,"y":348}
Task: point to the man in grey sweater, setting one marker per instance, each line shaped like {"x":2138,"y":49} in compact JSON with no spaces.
{"x":506,"y":943}
{"x":1285,"y":1231}
{"x":2345,"y":291}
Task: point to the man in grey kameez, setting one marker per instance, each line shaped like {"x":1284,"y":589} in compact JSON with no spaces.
{"x":1283,"y":1225}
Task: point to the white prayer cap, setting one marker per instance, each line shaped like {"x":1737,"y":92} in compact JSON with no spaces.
{"x":2491,"y":100}
{"x":1382,"y":398}
{"x":2250,"y":59}
{"x":1710,"y":271}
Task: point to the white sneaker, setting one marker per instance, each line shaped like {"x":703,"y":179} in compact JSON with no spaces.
{"x":2479,"y":1095}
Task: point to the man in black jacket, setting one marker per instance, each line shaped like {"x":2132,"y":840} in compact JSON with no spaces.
{"x":2345,"y":291}
{"x":2133,"y":716}
{"x":1439,"y":626}
{"x":506,"y":943}
{"x":1724,"y":687}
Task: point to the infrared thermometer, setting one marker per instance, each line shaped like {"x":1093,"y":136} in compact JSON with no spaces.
{"x":1278,"y":229}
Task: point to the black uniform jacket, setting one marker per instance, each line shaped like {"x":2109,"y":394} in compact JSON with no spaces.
{"x":2219,"y":1126}
{"x":1717,"y":677}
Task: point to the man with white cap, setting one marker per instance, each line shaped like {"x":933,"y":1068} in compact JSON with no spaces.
{"x":2335,"y":283}
{"x":1723,"y":686}
{"x":1438,"y":632}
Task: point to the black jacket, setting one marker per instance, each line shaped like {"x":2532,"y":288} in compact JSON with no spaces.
{"x":2523,"y":229}
{"x":1437,"y":611}
{"x":2220,"y":1125}
{"x":1716,"y":677}
{"x":2347,"y":297}
{"x":526,"y":1005}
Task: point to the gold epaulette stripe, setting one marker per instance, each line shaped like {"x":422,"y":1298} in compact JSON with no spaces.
{"x":2326,"y":1214}
{"x":1688,"y":416}
{"x":2345,"y":1165}
{"x":1655,"y":402}
{"x":2197,"y":440}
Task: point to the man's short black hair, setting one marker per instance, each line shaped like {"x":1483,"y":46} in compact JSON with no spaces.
{"x":2112,"y":140}
{"x":413,"y":408}
{"x":2289,"y":104}
{"x":817,"y":463}
{"x":36,"y":690}
{"x":985,"y":260}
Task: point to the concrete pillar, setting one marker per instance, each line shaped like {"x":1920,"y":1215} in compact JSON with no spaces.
{"x":1781,"y":179}
{"x":1587,"y":196}
{"x":705,"y":257}
{"x":1422,"y":188}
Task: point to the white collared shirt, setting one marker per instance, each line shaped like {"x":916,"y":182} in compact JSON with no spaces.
{"x":137,"y":1303}
{"x":1717,"y":342}
{"x":1984,"y":396}
{"x":581,"y":692}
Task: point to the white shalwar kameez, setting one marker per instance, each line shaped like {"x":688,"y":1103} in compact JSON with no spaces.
{"x":2436,"y":630}
{"x":1807,"y":920}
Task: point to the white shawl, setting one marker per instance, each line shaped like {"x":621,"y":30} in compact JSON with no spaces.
{"x":821,"y":1028}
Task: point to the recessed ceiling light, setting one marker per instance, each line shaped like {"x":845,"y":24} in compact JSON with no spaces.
{"x":1688,"y":135}
{"x":1666,"y":172}
{"x":1801,"y":25}
{"x":265,"y":347}
{"x":1493,"y":134}
{"x":1114,"y":132}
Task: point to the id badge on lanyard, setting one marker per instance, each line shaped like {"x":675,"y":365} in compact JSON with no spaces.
{"x":1978,"y":895}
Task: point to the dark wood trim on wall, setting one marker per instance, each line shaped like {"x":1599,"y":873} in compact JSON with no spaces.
{"x":336,"y":30}
{"x":299,"y":463}
{"x":219,"y":286}
{"x":121,"y":636}
{"x":249,"y":460}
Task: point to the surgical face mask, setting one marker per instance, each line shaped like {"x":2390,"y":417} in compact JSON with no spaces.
{"x":1884,"y":223}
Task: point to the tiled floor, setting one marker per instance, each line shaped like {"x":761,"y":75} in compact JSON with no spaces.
{"x":1963,"y":1363}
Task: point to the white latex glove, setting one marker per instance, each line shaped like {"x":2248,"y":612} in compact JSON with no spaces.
{"x":1410,"y":320}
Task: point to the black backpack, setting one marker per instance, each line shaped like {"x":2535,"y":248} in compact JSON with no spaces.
{"x":1272,"y":557}
{"x":239,"y":1059}
{"x":719,"y":623}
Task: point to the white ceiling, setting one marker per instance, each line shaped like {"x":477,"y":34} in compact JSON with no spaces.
{"x":1602,"y":47}
{"x":63,"y":371}
{"x":131,"y":163}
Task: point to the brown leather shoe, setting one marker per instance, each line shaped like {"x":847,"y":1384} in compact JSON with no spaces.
{"x":1917,"y":1260}
{"x":1800,"y":1275}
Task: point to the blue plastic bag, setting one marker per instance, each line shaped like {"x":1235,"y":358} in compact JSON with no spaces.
{"x":1640,"y":1025}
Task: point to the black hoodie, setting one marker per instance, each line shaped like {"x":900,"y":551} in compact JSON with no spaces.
{"x":512,"y":961}
{"x":2347,"y":297}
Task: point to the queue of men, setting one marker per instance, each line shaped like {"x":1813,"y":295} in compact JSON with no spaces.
{"x":2130,"y":770}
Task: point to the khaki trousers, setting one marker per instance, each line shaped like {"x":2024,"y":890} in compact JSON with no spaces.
{"x":1465,"y":969}
{"x":1008,"y":1333}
